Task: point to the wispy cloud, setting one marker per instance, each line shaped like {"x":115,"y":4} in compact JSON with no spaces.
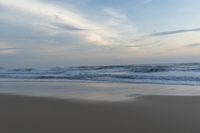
{"x":193,"y":45}
{"x":9,"y":48}
{"x":49,"y":19}
{"x":157,"y":35}
{"x":53,"y":19}
{"x":5,"y":50}
{"x":71,"y":30}
{"x":69,"y":27}
{"x":175,"y":32}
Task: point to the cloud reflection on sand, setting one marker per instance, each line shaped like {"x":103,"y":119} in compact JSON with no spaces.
{"x":93,"y":91}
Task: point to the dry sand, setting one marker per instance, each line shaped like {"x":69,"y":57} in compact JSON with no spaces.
{"x":151,"y":114}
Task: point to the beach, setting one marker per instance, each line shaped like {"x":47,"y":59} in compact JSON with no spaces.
{"x":148,"y":114}
{"x":99,"y":66}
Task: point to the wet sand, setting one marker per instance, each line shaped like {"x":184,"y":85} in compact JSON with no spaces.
{"x":149,"y":114}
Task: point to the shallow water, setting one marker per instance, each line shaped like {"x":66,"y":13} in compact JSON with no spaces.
{"x":92,"y":91}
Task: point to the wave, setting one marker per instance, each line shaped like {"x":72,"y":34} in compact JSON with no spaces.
{"x":154,"y":73}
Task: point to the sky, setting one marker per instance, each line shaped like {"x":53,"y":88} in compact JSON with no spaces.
{"x":45,"y":33}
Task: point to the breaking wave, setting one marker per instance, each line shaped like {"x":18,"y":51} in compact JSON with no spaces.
{"x":155,"y":73}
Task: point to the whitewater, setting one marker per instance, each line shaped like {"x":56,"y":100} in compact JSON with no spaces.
{"x":178,"y":74}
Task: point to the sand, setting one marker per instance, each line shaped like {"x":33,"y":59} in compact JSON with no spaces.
{"x":149,"y":114}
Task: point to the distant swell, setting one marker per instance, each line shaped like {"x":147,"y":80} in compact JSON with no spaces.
{"x":155,"y":74}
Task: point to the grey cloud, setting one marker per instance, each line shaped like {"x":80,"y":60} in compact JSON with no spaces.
{"x":25,"y":36}
{"x":193,"y":45}
{"x":152,"y":44}
{"x":175,"y":32}
{"x":2,"y":49}
{"x":68,"y":27}
{"x":165,"y":33}
{"x":133,"y":46}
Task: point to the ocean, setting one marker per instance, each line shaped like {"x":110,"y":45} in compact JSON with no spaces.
{"x":172,"y":74}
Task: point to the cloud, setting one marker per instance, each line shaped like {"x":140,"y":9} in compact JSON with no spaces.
{"x":46,"y":18}
{"x":193,"y":45}
{"x":175,"y":32}
{"x":123,"y":29}
{"x":160,"y":36}
{"x":9,"y":48}
{"x":5,"y":51}
{"x":69,"y":27}
{"x":62,"y":33}
{"x":113,"y":14}
{"x":53,"y":20}
{"x":49,"y":30}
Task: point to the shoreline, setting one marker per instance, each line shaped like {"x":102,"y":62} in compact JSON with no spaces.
{"x":94,"y":91}
{"x":93,"y":81}
{"x":165,"y":114}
